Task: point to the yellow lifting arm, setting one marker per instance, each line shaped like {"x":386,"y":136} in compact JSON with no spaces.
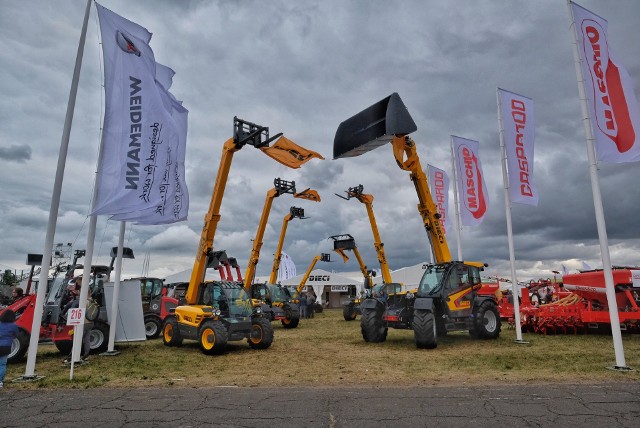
{"x":367,"y":200}
{"x":342,"y":243}
{"x":294,"y":212}
{"x":404,"y":146}
{"x":324,"y":257}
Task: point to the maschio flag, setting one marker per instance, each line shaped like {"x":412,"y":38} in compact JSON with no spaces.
{"x":472,"y":190}
{"x":174,"y":205}
{"x":613,"y":106}
{"x":287,"y":268}
{"x":518,"y":120}
{"x":439,"y":187}
{"x":140,"y":135}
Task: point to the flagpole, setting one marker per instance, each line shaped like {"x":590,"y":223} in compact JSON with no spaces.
{"x":55,"y":205}
{"x":455,"y":200}
{"x":597,"y":202}
{"x":515,"y":286}
{"x":116,"y":292}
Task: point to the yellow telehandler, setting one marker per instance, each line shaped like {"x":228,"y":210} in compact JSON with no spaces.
{"x":450,"y":295}
{"x":216,"y":312}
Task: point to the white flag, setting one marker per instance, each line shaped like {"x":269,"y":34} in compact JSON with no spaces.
{"x":472,"y":190}
{"x":174,"y":205}
{"x":439,"y":187}
{"x":585,"y":266}
{"x":565,"y":271}
{"x":287,"y":268}
{"x":613,"y":107}
{"x":140,"y":136}
{"x":518,"y":119}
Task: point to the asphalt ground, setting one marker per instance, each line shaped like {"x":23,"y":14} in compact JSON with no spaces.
{"x":553,"y":405}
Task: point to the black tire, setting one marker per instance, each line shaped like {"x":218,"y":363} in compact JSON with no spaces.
{"x":213,"y":338}
{"x":292,"y":318}
{"x":372,"y":326}
{"x":99,"y":338}
{"x":349,"y":313}
{"x":318,"y":308}
{"x":152,"y":326}
{"x":261,"y":333}
{"x":170,"y":332}
{"x":64,"y":346}
{"x":424,"y":330}
{"x":441,"y":328}
{"x":487,"y":321}
{"x":19,"y":347}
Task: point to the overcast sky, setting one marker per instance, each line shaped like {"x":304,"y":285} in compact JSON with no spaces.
{"x":301,"y":68}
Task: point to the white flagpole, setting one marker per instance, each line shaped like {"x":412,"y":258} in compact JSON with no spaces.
{"x":116,"y":292}
{"x":507,"y":206}
{"x":597,"y":202}
{"x":55,"y":205}
{"x":455,"y":200}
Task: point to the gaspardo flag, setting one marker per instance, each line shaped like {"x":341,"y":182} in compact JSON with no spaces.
{"x":518,"y":120}
{"x":140,"y":135}
{"x":613,"y":107}
{"x":472,"y":190}
{"x":439,"y":187}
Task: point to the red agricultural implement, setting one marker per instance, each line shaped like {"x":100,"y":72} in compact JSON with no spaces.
{"x":579,"y":304}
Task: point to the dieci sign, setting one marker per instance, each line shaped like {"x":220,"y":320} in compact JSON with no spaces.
{"x":339,"y":288}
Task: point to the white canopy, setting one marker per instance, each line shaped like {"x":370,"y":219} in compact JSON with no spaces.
{"x":319,"y":278}
{"x":409,"y":276}
{"x":185,"y":276}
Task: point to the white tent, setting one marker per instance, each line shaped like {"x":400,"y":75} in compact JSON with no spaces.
{"x":409,"y":276}
{"x":185,"y":276}
{"x":324,"y":281}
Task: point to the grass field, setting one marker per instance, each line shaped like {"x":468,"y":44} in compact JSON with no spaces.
{"x":328,"y":351}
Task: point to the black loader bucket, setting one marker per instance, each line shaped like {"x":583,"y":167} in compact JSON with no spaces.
{"x":373,"y":127}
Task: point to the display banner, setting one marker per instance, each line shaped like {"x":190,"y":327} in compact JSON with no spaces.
{"x":439,"y":187}
{"x":287,"y":268}
{"x":174,"y":205}
{"x":518,"y":120}
{"x":472,"y":190}
{"x":140,"y":135}
{"x":613,"y":107}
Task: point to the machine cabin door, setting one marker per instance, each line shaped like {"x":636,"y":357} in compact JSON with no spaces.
{"x":459,"y":290}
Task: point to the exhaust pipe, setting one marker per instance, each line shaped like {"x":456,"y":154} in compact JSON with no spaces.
{"x":373,"y":127}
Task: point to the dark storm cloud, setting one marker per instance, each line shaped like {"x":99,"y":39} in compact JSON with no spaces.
{"x":16,"y":153}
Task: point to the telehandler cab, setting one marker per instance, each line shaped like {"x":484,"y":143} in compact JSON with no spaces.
{"x":220,"y":311}
{"x":271,"y":295}
{"x":450,"y":295}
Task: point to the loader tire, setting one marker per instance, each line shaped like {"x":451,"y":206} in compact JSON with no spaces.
{"x":261,"y":335}
{"x":487,"y":321}
{"x":64,"y":346}
{"x":170,"y":333}
{"x":19,"y":347}
{"x":349,"y":313}
{"x":213,"y":338}
{"x":318,"y":308}
{"x":424,"y":330}
{"x":292,"y":318}
{"x":372,"y":326}
{"x":99,"y":338}
{"x":152,"y":326}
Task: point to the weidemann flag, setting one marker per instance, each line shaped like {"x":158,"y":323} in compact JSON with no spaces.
{"x":174,"y":204}
{"x":439,"y":187}
{"x":613,"y":107}
{"x":472,"y":190}
{"x":518,"y":120}
{"x":140,"y":135}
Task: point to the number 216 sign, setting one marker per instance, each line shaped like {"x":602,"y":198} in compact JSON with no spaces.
{"x":75,"y":316}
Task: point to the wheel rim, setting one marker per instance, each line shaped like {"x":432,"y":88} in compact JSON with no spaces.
{"x":15,"y":346}
{"x":208,"y":338}
{"x":490,"y":321}
{"x":150,"y":328}
{"x":256,"y":333}
{"x":96,"y":338}
{"x":168,"y":332}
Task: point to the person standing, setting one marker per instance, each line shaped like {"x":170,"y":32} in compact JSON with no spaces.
{"x":88,"y":324}
{"x":303,"y":305}
{"x":8,"y":332}
{"x":16,"y":294}
{"x":311,"y":301}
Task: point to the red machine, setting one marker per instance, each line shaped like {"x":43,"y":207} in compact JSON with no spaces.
{"x":579,"y":305}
